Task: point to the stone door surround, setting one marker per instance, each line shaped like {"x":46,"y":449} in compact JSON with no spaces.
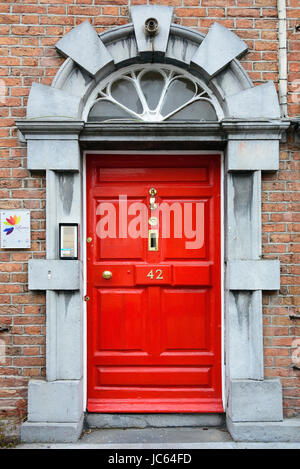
{"x":249,"y":134}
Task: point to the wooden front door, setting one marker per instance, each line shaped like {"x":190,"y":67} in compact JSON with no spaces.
{"x":154,"y":283}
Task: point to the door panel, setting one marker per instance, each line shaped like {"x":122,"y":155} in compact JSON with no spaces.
{"x":184,"y":325}
{"x":118,"y":247}
{"x":117,"y":307}
{"x":154,"y":327}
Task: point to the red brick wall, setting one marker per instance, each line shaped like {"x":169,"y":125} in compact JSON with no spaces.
{"x":281,"y":238}
{"x":29,"y":30}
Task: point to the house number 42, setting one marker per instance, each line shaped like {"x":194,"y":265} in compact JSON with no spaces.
{"x":157,"y":274}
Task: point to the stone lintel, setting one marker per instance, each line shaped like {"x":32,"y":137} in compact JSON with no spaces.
{"x":252,"y":144}
{"x":52,"y":144}
{"x":47,"y":129}
{"x":255,"y":129}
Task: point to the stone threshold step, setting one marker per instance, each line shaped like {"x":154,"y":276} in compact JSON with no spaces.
{"x":122,"y":421}
{"x":175,"y":435}
{"x":165,"y":446}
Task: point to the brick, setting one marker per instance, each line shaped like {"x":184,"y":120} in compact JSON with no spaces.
{"x":9,"y":19}
{"x":266,"y":45}
{"x":29,"y":9}
{"x":243,"y":12}
{"x":186,"y":12}
{"x":57,"y":20}
{"x":28,"y":30}
{"x":10,"y":267}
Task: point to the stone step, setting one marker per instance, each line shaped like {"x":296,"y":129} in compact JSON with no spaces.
{"x":123,"y":421}
{"x":156,"y":436}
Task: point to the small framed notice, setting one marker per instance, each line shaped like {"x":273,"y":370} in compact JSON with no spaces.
{"x":68,"y":241}
{"x":15,"y":229}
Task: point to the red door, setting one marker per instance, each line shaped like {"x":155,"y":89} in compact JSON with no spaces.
{"x":154,"y":322}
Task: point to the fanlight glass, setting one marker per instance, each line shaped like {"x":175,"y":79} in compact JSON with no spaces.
{"x":153,"y":95}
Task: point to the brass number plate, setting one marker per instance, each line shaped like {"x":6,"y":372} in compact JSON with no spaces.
{"x":157,"y":274}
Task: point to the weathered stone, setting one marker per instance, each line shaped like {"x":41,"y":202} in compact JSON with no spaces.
{"x":83,"y":45}
{"x":60,"y":155}
{"x":258,"y":101}
{"x":253,"y":275}
{"x":179,"y":49}
{"x":55,"y":401}
{"x":53,"y":274}
{"x":158,"y":43}
{"x":64,"y":344}
{"x":247,"y":155}
{"x":45,"y":102}
{"x":245,"y":336}
{"x":243,"y":214}
{"x":287,"y":431}
{"x":152,"y":420}
{"x":47,"y":432}
{"x":64,"y":308}
{"x":217,"y":50}
{"x":255,"y":401}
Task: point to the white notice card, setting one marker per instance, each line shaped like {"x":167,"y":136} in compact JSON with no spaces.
{"x":15,"y":229}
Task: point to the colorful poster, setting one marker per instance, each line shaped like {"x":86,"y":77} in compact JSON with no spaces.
{"x":15,"y":229}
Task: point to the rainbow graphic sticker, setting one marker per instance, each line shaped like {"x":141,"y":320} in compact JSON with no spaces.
{"x":12,"y":221}
{"x":15,"y":229}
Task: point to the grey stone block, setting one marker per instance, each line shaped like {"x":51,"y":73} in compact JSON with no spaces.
{"x":217,"y":50}
{"x":45,"y":102}
{"x":44,"y":274}
{"x":83,"y":45}
{"x":55,"y":401}
{"x":64,"y":338}
{"x":286,"y":431}
{"x":158,"y":43}
{"x":46,"y":432}
{"x":152,"y":420}
{"x":253,"y":275}
{"x":256,"y":102}
{"x":245,"y":336}
{"x":53,"y":154}
{"x":255,"y":401}
{"x":243,"y":211}
{"x":252,"y":155}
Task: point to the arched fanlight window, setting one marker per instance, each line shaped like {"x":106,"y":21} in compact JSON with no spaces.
{"x":152,"y":93}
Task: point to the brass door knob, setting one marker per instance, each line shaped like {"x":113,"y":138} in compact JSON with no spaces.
{"x":107,"y":274}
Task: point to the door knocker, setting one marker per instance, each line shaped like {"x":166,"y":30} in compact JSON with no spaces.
{"x":153,"y":192}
